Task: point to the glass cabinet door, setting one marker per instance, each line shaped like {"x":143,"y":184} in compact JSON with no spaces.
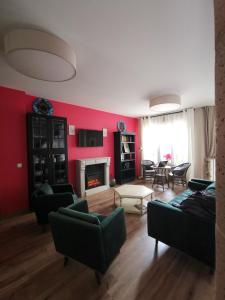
{"x":58,"y":134}
{"x":47,"y":151}
{"x":39,"y":133}
{"x":40,"y":169}
{"x":59,"y":168}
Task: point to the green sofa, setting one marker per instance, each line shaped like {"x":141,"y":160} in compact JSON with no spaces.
{"x":186,"y":231}
{"x":89,"y":238}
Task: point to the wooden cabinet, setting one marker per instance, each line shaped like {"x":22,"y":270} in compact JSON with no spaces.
{"x":47,"y":150}
{"x":124,"y":156}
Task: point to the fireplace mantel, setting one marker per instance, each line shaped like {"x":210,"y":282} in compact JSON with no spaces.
{"x":80,"y":175}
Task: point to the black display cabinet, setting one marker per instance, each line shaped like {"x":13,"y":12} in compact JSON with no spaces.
{"x":47,"y":150}
{"x":124,"y":156}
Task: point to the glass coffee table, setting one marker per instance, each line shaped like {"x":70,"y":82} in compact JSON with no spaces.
{"x":132,"y":196}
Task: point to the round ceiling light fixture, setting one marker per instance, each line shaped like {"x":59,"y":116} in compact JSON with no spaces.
{"x":165,"y":103}
{"x":40,"y":55}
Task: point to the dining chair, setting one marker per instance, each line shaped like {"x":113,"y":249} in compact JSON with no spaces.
{"x":162,"y":163}
{"x":148,"y":170}
{"x":178,"y":174}
{"x":160,"y":177}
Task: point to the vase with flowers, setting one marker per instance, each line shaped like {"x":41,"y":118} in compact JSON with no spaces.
{"x":168,"y":157}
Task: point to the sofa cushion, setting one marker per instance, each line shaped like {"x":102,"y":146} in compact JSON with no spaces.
{"x":200,"y":204}
{"x":79,"y":215}
{"x":45,"y":189}
{"x":181,"y":197}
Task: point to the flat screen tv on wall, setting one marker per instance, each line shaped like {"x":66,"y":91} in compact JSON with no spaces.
{"x":90,"y":138}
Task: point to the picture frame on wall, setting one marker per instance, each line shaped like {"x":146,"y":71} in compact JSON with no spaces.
{"x":71,"y":130}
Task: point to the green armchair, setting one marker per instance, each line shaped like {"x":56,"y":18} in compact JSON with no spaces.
{"x":49,"y":198}
{"x":89,"y":238}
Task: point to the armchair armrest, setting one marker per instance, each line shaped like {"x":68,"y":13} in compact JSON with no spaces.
{"x":62,"y":188}
{"x":80,"y":205}
{"x":114,"y":233}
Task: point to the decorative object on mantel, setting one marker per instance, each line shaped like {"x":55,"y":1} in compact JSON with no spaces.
{"x":42,"y":106}
{"x":40,"y":55}
{"x":165,"y":103}
{"x":112,"y":182}
{"x":121,"y":126}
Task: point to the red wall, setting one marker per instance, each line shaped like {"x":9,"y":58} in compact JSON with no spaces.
{"x":14,"y":105}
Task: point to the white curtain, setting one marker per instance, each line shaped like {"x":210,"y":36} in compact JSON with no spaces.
{"x":165,"y":135}
{"x":200,"y":143}
{"x":210,"y":137}
{"x":189,"y":136}
{"x":190,"y":124}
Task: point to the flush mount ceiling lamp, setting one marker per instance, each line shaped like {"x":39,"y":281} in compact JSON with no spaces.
{"x":165,"y":103}
{"x":40,"y":55}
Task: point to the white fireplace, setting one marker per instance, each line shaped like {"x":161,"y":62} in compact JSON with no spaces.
{"x":85,"y":188}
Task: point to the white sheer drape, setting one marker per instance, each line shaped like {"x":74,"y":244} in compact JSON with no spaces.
{"x":163,"y":135}
{"x":199,"y":143}
{"x":189,"y":136}
{"x":190,"y":123}
{"x":210,"y":134}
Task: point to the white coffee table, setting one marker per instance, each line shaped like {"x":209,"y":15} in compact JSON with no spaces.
{"x":128,"y":192}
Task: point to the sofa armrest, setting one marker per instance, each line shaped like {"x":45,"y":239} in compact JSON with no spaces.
{"x":80,"y":205}
{"x":199,"y":184}
{"x":164,"y":221}
{"x":196,"y":186}
{"x":202,"y":181}
{"x":114,"y":233}
{"x":62,"y":188}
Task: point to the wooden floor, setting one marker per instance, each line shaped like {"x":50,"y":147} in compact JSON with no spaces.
{"x":31,"y":269}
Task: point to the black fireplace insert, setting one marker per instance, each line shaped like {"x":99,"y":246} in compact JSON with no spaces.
{"x":94,"y":176}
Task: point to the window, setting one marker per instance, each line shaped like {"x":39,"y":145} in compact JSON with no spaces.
{"x":165,"y":135}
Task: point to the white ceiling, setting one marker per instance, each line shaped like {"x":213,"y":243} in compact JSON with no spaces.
{"x":127,"y":50}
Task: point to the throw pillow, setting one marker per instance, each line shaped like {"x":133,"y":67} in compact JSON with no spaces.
{"x":45,"y":189}
{"x":200,"y":204}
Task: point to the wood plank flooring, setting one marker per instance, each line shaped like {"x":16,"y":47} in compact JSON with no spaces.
{"x":30,"y":268}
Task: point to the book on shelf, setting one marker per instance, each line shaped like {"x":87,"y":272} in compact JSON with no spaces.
{"x":126,"y":148}
{"x":125,"y":138}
